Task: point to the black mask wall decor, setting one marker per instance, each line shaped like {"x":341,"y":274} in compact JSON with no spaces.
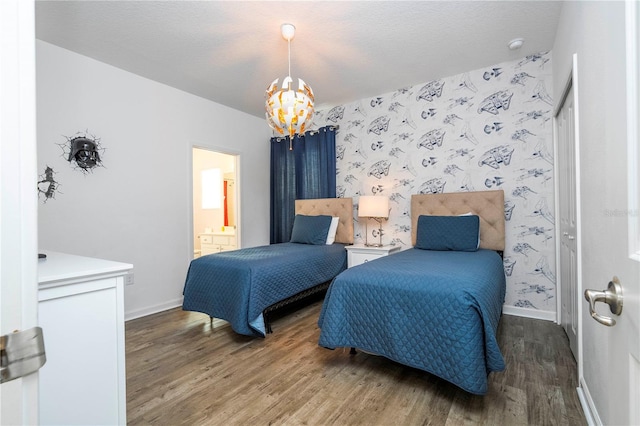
{"x":84,"y":151}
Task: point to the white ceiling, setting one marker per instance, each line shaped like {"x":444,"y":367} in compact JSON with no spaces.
{"x":230,"y":51}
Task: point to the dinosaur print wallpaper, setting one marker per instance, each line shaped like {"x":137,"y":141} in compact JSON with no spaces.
{"x":485,"y":129}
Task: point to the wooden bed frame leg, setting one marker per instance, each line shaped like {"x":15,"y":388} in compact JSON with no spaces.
{"x":352,"y":351}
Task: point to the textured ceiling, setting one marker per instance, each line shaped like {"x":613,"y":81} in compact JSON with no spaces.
{"x":230,"y":51}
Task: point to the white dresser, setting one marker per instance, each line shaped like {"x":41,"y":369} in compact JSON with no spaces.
{"x":81,"y":312}
{"x":216,"y":242}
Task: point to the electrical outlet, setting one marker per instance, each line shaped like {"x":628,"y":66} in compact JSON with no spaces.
{"x":128,"y":279}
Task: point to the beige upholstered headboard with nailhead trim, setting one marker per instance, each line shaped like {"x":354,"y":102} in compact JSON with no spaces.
{"x":341,"y":207}
{"x":489,"y":205}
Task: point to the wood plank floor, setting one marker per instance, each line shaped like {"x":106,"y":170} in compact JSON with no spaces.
{"x":180,"y":371}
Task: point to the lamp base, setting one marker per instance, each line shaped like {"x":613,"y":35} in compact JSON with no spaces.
{"x":379,"y":243}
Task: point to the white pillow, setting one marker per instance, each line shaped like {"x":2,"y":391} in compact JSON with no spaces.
{"x":333,"y":228}
{"x":472,"y":214}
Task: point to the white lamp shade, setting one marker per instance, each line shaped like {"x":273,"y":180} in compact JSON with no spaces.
{"x":373,"y":206}
{"x":211,"y":189}
{"x":289,"y":111}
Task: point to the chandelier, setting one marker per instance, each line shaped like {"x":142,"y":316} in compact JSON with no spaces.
{"x":289,"y":111}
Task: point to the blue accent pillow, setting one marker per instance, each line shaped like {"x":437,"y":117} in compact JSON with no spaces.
{"x":459,"y":233}
{"x":310,"y":229}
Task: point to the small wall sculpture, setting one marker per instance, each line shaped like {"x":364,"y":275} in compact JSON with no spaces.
{"x":47,"y":185}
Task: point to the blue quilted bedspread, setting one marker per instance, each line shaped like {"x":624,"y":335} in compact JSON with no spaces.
{"x":238,"y":285}
{"x":433,"y":310}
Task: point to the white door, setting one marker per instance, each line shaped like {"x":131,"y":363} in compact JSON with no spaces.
{"x":611,"y":355}
{"x":18,"y":198}
{"x":568,"y":243}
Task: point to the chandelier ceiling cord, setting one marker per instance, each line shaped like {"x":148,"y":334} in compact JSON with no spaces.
{"x":288,"y":111}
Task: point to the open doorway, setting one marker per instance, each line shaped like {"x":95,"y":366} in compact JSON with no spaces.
{"x":215,"y":202}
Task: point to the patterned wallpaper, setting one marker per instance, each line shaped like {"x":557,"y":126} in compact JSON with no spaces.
{"x":485,"y":129}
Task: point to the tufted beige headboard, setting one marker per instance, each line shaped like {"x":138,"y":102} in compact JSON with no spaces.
{"x":341,"y":207}
{"x":489,"y":205}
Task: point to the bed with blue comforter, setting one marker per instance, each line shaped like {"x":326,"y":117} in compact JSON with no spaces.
{"x":433,"y":310}
{"x":436,"y":306}
{"x":239,"y":285}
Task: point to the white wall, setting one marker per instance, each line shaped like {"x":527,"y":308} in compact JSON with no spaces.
{"x":137,"y":208}
{"x":596,"y":32}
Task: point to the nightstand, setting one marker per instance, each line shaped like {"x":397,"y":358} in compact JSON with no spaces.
{"x":359,"y":253}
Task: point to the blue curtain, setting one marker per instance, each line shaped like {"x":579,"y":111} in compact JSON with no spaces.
{"x":283,"y":183}
{"x":306,"y":171}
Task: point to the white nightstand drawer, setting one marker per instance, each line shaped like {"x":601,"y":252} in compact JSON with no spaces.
{"x":359,"y":254}
{"x":359,"y":258}
{"x":206,"y":239}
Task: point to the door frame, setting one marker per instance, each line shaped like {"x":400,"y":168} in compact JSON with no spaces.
{"x":632,"y":17}
{"x":18,"y":197}
{"x":571,"y":81}
{"x":237,"y":185}
{"x":632,"y":27}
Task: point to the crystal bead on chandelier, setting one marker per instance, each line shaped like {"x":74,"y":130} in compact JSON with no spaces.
{"x":289,"y":111}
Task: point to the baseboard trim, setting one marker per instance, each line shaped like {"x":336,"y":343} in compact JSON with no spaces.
{"x":150,"y":310}
{"x":590,"y":411}
{"x":529,"y":313}
{"x":216,"y":323}
{"x":507,"y":310}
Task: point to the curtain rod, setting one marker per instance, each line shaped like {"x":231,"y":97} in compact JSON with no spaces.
{"x":331,"y":126}
{"x":309,"y":132}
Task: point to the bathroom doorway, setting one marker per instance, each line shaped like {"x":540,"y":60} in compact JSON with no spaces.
{"x":215,"y":202}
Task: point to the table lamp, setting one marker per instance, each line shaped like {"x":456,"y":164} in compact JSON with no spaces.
{"x":375,"y":207}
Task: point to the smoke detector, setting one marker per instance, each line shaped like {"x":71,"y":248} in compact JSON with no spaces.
{"x":516,"y":43}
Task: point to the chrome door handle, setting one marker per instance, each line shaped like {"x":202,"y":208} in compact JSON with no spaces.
{"x":612,"y":296}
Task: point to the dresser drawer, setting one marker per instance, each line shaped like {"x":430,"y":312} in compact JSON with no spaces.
{"x":209,"y":249}
{"x":215,"y":243}
{"x":220,"y":239}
